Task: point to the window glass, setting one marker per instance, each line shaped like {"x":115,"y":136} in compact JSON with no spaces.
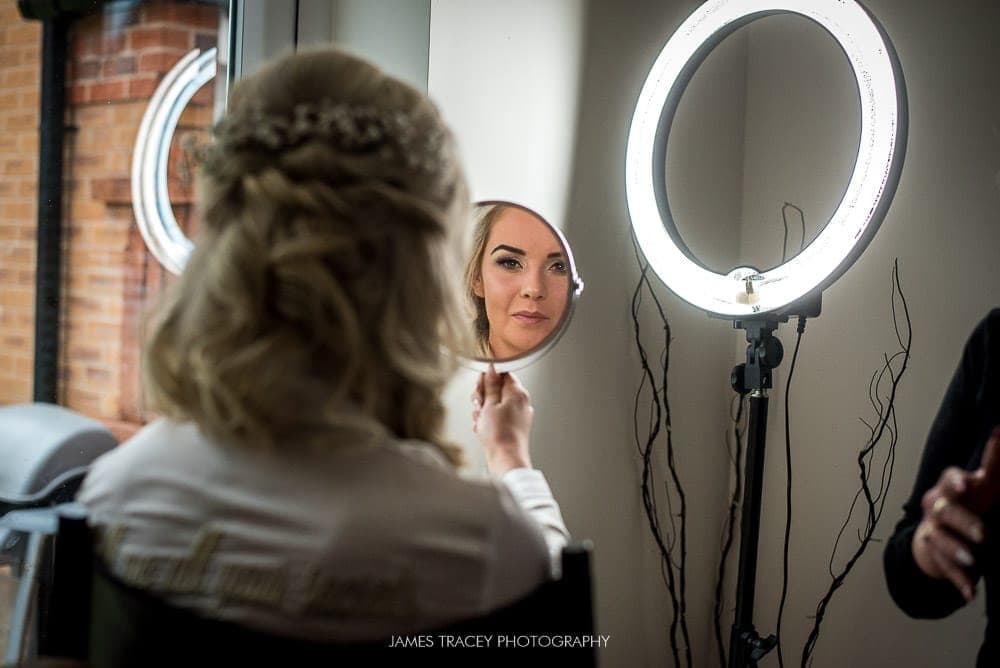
{"x":119,"y":57}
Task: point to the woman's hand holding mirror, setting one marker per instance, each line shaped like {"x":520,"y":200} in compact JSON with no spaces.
{"x":501,"y":417}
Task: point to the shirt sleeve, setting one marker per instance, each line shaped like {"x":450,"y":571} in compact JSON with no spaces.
{"x":956,"y":435}
{"x":531,"y":491}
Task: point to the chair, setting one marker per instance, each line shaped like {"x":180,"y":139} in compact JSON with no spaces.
{"x":39,"y":442}
{"x":132,"y":627}
{"x":53,"y":570}
{"x":45,"y":452}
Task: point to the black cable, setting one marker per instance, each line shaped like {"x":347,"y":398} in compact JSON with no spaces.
{"x":788,"y":490}
{"x":729,"y":526}
{"x":886,"y":423}
{"x":675,"y":573}
{"x":646,"y":450}
{"x":784,"y":221}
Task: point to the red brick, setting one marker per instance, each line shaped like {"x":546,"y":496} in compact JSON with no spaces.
{"x":79,"y":93}
{"x":122,"y":430}
{"x":27,"y":143}
{"x":112,"y":42}
{"x":18,"y":166}
{"x":10,"y":57}
{"x":142,"y":87}
{"x":15,"y":254}
{"x":23,"y":33}
{"x":98,"y":374}
{"x":85,"y":69}
{"x":159,"y":61}
{"x":21,"y":78}
{"x":145,"y":38}
{"x":15,"y":390}
{"x":23,"y":121}
{"x":202,"y":16}
{"x":84,"y":353}
{"x":117,"y":189}
{"x":92,"y":116}
{"x":107,"y":91}
{"x":119,"y":66}
{"x":30,"y":99}
{"x":82,"y":401}
{"x":85,"y":42}
{"x":15,"y":341}
{"x":89,"y":161}
{"x":16,"y":210}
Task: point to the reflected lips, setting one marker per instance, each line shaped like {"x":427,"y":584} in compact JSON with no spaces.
{"x":530,"y":317}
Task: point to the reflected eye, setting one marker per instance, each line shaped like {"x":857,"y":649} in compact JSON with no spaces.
{"x":508,"y":262}
{"x":558,"y":267}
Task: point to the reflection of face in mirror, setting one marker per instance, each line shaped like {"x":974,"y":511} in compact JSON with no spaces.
{"x":518,"y":280}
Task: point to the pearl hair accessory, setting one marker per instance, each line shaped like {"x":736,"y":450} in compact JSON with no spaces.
{"x":349,"y":128}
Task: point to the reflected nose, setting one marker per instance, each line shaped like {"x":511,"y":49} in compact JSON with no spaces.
{"x":533,"y":288}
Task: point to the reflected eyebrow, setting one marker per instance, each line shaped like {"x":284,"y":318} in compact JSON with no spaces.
{"x":509,"y":249}
{"x":556,"y":254}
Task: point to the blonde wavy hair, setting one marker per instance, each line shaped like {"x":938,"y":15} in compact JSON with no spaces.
{"x":323,"y":293}
{"x":485,"y":216}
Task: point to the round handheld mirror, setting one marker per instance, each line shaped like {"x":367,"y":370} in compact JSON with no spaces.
{"x":521,"y":284}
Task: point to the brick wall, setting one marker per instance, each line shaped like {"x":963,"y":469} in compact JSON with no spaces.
{"x":19,"y":76}
{"x":117,"y":60}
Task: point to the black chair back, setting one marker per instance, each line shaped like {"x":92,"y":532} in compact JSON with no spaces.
{"x":132,"y":627}
{"x":87,"y":613}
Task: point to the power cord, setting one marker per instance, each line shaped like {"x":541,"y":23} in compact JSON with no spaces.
{"x":788,"y":490}
{"x":885,"y":425}
{"x":729,"y":526}
{"x":674,"y":572}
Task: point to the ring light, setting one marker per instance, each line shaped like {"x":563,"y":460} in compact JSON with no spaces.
{"x":150,"y":201}
{"x":745,"y":290}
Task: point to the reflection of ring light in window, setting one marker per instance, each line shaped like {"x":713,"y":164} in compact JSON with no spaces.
{"x":869,"y":191}
{"x":150,"y":201}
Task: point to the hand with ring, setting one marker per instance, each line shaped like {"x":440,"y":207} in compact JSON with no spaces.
{"x":952,"y":521}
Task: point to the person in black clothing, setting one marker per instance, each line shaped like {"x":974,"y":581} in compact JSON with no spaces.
{"x":950,"y":532}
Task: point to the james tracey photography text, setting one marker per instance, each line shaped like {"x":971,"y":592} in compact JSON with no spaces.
{"x":497,"y":641}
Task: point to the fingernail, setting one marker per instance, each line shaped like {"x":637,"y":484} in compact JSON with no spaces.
{"x":977,"y":534}
{"x":969,"y":593}
{"x":964,"y":558}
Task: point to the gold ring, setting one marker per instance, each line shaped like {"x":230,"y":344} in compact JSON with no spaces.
{"x":939,"y":506}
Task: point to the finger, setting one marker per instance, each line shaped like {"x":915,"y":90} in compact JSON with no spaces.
{"x":991,"y":456}
{"x":950,"y":568}
{"x":492,"y":383}
{"x":479,"y":391}
{"x":515,"y":386}
{"x":950,"y":545}
{"x":953,"y":481}
{"x":958,"y":519}
{"x":987,"y":476}
{"x":942,"y":492}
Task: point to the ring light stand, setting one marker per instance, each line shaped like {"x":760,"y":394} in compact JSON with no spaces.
{"x":759,"y":301}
